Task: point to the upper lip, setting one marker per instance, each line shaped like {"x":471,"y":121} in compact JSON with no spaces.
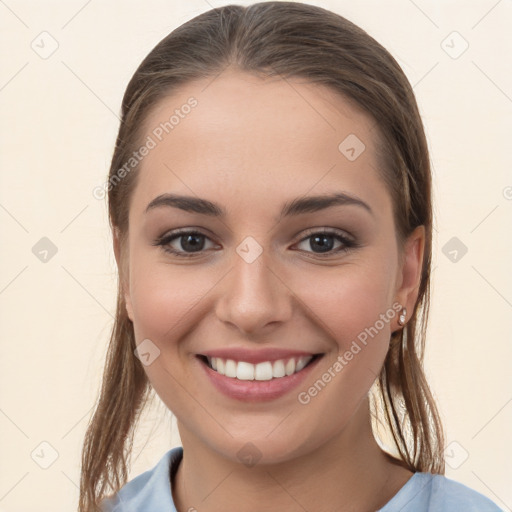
{"x":255,"y":356}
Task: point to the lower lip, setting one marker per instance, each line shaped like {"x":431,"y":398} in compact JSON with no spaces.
{"x":256,"y":390}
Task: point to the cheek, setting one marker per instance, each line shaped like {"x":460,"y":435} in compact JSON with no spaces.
{"x":163,"y":297}
{"x":349,"y":301}
{"x":166,"y":303}
{"x":352,"y":306}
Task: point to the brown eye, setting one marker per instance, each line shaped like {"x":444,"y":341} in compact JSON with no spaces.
{"x":183,"y":243}
{"x":323,"y":242}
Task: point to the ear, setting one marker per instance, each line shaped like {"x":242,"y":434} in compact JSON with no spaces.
{"x":409,"y":276}
{"x":122,"y":265}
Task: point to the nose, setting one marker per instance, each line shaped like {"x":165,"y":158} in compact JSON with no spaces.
{"x":253,"y":296}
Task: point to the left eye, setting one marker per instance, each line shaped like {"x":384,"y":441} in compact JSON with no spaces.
{"x":324,"y":242}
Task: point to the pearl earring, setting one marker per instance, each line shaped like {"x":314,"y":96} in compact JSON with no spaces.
{"x":401,"y":319}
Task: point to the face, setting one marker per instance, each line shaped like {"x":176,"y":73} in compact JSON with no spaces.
{"x":261,"y":275}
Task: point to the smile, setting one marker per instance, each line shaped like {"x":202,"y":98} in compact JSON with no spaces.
{"x":265,"y":370}
{"x":255,"y":376}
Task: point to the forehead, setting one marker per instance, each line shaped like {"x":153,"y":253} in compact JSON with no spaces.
{"x":261,"y":138}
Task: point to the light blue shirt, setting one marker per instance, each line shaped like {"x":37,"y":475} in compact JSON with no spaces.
{"x":423,"y":492}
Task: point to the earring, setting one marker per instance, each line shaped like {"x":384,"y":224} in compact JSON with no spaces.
{"x":401,"y":319}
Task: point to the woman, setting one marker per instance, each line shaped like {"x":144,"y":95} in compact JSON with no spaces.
{"x":270,"y":199}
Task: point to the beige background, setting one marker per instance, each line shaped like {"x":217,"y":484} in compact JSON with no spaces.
{"x":58,"y":125}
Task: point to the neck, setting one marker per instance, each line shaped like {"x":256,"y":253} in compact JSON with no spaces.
{"x":347,"y":473}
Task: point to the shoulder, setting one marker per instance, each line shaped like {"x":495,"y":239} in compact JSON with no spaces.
{"x":425,"y":492}
{"x":150,"y":490}
{"x":453,"y":494}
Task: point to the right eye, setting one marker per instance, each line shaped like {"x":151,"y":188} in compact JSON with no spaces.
{"x":182,"y":243}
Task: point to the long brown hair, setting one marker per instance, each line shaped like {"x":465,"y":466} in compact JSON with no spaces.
{"x":283,"y":39}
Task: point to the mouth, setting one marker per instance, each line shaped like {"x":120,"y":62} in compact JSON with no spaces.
{"x":262,"y":371}
{"x":250,"y":375}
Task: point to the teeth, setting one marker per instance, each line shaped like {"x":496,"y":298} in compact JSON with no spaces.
{"x":278,"y":369}
{"x":303,"y":361}
{"x":263,"y":371}
{"x":230,"y":369}
{"x":266,"y":370}
{"x":290,"y":367}
{"x":244,"y":371}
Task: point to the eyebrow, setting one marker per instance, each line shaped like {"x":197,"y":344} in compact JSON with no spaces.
{"x":297,"y":206}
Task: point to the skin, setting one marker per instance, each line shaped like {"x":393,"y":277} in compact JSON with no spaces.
{"x":251,"y":145}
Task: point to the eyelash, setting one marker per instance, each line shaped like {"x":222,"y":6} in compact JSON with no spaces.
{"x":164,"y":241}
